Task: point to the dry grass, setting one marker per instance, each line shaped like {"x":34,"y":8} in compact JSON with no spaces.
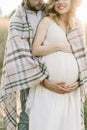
{"x":3,"y":36}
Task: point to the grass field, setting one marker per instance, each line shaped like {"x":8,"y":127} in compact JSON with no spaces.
{"x":3,"y":36}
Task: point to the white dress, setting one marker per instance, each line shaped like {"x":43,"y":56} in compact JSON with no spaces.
{"x":48,"y":110}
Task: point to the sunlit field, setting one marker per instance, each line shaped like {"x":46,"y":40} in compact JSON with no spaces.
{"x":3,"y":36}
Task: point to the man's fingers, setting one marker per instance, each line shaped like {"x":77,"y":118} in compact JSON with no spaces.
{"x":72,"y":88}
{"x":63,"y":89}
{"x":67,"y":89}
{"x":61,"y":83}
{"x":60,"y":89}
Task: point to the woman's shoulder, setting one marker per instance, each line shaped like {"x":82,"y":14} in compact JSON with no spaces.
{"x":46,"y":20}
{"x":44,"y":24}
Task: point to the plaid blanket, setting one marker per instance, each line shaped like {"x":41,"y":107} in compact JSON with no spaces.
{"x":21,"y":71}
{"x":77,"y":39}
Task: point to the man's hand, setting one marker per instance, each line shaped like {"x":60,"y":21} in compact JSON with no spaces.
{"x":59,"y":87}
{"x":73,"y":86}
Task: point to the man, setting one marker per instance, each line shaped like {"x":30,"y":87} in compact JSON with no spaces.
{"x":21,"y":70}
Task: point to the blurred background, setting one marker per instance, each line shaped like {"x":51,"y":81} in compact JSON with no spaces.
{"x":7,"y":8}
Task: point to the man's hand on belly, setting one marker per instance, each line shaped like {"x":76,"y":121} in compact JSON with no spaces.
{"x":73,"y":86}
{"x":59,"y":87}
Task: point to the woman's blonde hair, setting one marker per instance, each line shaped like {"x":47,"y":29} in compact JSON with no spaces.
{"x":50,"y":12}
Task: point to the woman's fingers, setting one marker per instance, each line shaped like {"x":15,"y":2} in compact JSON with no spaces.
{"x":67,"y":48}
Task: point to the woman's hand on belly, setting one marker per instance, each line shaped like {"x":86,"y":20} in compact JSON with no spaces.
{"x":66,"y":47}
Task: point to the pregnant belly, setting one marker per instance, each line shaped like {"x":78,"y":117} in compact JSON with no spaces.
{"x":61,"y":67}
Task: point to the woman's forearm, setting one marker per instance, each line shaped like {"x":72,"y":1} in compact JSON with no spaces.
{"x":44,"y":50}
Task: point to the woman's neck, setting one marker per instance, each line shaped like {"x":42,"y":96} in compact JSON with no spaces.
{"x":63,"y":18}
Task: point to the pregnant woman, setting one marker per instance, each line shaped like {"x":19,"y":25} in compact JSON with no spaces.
{"x":48,"y":110}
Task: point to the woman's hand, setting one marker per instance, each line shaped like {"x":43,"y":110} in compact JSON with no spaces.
{"x":65,"y":47}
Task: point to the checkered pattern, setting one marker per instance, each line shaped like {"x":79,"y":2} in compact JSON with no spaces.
{"x":77,"y":39}
{"x":20,"y":69}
